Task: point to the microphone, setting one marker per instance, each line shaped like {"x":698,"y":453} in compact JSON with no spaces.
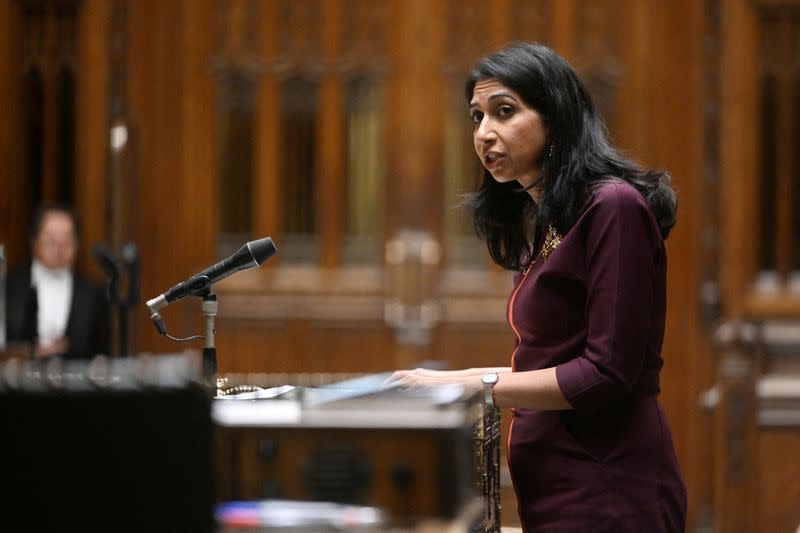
{"x":132,"y":263}
{"x":105,"y":259}
{"x":250,"y":255}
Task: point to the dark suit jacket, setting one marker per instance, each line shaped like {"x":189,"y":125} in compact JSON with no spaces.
{"x":88,"y":323}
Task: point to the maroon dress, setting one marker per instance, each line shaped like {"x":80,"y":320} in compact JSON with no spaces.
{"x":595,"y":309}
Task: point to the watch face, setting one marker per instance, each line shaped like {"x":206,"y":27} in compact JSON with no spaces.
{"x":490,"y":378}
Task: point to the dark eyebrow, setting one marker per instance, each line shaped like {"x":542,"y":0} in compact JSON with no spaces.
{"x":495,"y":96}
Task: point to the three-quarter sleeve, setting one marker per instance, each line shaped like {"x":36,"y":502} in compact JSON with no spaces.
{"x":620,"y":247}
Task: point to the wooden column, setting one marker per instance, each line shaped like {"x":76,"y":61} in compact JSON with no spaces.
{"x":332,"y":146}
{"x":156,"y":111}
{"x":50,"y":110}
{"x":738,"y":159}
{"x":635,"y":96}
{"x":91,"y":128}
{"x":198,"y":215}
{"x":415,"y":129}
{"x":786,"y":155}
{"x":675,"y":100}
{"x":415,"y":132}
{"x":266,"y":208}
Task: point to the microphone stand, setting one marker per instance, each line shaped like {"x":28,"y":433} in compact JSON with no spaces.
{"x":122,"y":328}
{"x":129,"y":257}
{"x":111,"y":267}
{"x":209,"y":308}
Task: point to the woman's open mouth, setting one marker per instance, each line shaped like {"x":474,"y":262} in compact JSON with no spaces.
{"x":492,"y":160}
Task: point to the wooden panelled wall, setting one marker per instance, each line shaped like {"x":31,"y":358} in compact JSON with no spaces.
{"x":12,"y":210}
{"x":755,"y":485}
{"x":674,"y":80}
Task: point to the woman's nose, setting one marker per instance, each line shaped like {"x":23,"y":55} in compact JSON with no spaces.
{"x":485,"y":133}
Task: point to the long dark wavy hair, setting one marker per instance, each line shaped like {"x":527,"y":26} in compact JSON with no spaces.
{"x":578,"y":154}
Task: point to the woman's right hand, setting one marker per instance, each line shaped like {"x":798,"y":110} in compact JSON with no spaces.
{"x":423,"y":377}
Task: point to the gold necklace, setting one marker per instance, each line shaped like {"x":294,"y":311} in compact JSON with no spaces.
{"x":551,"y":241}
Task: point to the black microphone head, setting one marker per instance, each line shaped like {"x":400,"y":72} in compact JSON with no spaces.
{"x":262,"y":249}
{"x":105,"y":259}
{"x":250,"y":255}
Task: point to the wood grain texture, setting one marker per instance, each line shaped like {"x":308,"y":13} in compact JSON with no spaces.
{"x":91,"y":129}
{"x":14,"y":213}
{"x":739,"y":192}
{"x":778,"y":482}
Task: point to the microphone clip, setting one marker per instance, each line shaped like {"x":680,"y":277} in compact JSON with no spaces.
{"x":156,"y":304}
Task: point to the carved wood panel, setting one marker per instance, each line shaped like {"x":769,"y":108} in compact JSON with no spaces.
{"x":638,"y":56}
{"x":779,"y":80}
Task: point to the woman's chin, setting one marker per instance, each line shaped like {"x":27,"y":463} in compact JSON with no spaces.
{"x":501,"y":177}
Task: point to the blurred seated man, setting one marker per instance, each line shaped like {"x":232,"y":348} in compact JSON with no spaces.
{"x":48,"y":304}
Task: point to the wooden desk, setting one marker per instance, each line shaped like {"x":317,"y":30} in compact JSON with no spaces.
{"x":21,"y":350}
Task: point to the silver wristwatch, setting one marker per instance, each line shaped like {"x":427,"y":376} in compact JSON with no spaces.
{"x":489,"y":379}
